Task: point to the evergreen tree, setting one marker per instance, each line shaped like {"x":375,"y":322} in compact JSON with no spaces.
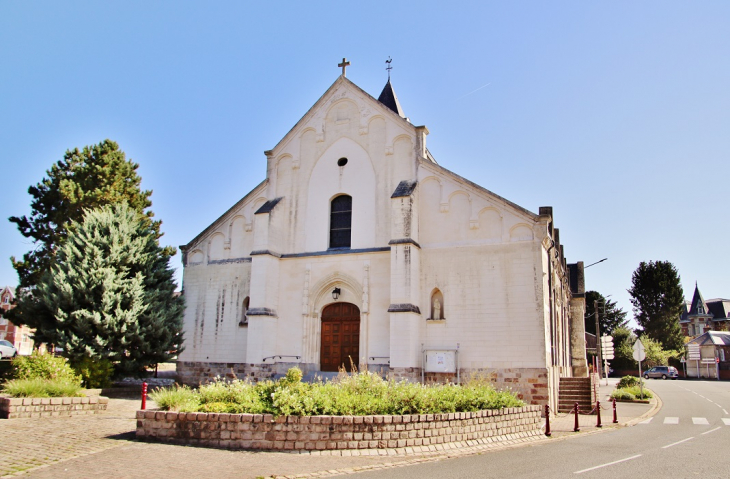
{"x":110,"y":293}
{"x":657,"y":297}
{"x":96,"y":176}
{"x":610,"y":316}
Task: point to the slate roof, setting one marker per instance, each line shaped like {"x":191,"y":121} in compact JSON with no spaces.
{"x":697,"y":301}
{"x":388,"y":98}
{"x":268,"y":206}
{"x":713,"y":338}
{"x":719,"y":308}
{"x":405,"y":188}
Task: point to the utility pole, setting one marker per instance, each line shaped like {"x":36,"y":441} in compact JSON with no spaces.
{"x":598,"y":341}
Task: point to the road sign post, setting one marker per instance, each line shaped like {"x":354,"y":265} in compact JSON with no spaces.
{"x":693,"y":354}
{"x":606,"y":352}
{"x":640,"y":355}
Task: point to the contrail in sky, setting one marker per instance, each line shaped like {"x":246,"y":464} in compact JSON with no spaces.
{"x":483,"y":86}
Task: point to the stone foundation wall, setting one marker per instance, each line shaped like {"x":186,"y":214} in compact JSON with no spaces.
{"x":196,"y":373}
{"x":263,"y":431}
{"x":13,"y":408}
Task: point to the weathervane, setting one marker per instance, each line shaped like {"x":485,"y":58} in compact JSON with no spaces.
{"x":344,"y":65}
{"x":389,"y":67}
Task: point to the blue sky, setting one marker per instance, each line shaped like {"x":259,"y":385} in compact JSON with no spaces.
{"x":617,"y":114}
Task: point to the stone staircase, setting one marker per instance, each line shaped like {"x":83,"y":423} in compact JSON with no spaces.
{"x":574,"y":390}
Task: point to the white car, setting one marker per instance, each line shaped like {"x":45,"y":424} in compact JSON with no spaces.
{"x":7,"y":350}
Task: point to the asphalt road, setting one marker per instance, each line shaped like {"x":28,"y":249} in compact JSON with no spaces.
{"x":688,"y":437}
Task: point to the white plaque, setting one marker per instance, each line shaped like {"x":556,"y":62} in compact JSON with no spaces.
{"x":439,"y":361}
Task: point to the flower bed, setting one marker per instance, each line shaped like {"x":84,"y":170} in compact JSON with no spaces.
{"x":264,"y":431}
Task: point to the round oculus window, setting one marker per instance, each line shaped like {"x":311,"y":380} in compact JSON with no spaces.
{"x":342,"y":162}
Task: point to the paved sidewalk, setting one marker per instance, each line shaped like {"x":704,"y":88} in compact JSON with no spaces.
{"x":103,"y":446}
{"x":627,"y":414}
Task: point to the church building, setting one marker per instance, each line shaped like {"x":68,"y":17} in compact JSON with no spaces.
{"x":359,"y":249}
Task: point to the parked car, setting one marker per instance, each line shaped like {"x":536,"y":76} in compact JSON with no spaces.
{"x":663,"y":372}
{"x":7,"y":350}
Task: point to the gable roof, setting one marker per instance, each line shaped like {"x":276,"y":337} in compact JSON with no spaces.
{"x":505,"y":202}
{"x":342,"y":80}
{"x":712,"y":338}
{"x":219,"y":220}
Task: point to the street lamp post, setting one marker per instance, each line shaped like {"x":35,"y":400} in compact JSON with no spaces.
{"x":598,"y":332}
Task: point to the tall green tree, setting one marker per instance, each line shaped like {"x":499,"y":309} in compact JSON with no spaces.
{"x":95,"y":176}
{"x":657,"y":297}
{"x":110,"y":293}
{"x":610,"y":316}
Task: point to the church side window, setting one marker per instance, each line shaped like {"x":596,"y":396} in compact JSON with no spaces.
{"x":341,"y":222}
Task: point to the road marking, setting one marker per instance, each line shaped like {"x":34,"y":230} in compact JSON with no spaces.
{"x":711,"y":430}
{"x":607,"y":464}
{"x":646,"y":421}
{"x":671,"y":420}
{"x":724,"y":411}
{"x":726,"y":421}
{"x":678,"y":442}
{"x":700,"y":420}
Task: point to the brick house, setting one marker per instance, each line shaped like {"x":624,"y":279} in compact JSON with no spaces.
{"x":20,"y":336}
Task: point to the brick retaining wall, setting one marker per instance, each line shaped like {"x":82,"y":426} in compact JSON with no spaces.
{"x":12,"y":408}
{"x":264,"y":431}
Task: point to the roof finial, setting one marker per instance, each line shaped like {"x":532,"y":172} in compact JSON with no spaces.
{"x":389,"y":67}
{"x":344,"y":65}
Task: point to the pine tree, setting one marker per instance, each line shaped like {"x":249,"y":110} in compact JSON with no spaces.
{"x":610,"y":316}
{"x":657,"y":296}
{"x":110,"y":293}
{"x":96,"y":176}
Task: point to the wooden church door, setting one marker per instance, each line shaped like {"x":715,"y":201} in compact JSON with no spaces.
{"x":340,"y":337}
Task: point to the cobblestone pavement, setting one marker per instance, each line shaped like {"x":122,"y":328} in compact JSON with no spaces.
{"x":29,"y":443}
{"x":103,"y":446}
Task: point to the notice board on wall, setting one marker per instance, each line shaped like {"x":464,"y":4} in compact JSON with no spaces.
{"x":440,"y":361}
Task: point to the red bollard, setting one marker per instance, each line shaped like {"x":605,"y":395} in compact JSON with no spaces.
{"x":144,"y":396}
{"x":598,"y":411}
{"x":547,"y":421}
{"x":577,"y":409}
{"x":615,"y":418}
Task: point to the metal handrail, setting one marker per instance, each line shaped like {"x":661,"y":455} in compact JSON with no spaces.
{"x":373,"y":358}
{"x":280,"y":356}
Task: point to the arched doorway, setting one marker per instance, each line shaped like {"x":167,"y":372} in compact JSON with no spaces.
{"x":340,"y":345}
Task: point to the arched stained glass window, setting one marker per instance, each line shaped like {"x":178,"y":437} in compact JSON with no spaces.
{"x":341,"y":222}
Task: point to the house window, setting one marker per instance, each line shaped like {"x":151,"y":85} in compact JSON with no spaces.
{"x":6,"y":299}
{"x":700,"y":309}
{"x":341,"y":222}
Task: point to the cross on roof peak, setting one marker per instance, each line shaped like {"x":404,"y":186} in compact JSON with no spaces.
{"x":344,"y":65}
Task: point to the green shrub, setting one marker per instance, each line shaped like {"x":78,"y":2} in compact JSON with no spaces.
{"x":182,"y":399}
{"x":636,"y":391}
{"x":631,"y":393}
{"x":44,"y":366}
{"x":42,"y":388}
{"x":622,"y":394}
{"x":357,"y":394}
{"x":627,"y":382}
{"x":95,"y":373}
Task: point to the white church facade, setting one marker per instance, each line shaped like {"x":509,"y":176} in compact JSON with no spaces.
{"x":359,"y":249}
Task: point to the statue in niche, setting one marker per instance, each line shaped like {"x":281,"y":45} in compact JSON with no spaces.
{"x":436,"y":309}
